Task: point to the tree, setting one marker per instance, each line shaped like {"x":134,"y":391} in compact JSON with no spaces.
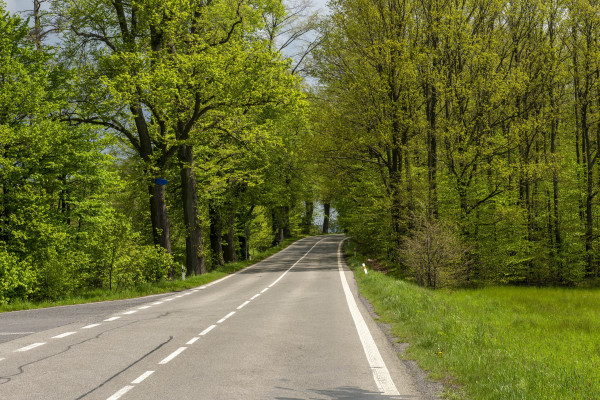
{"x":168,"y":71}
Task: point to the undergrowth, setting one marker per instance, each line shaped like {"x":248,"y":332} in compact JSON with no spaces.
{"x":164,"y":286}
{"x":495,"y":342}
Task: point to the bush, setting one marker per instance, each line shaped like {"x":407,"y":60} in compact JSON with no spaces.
{"x":17,"y":279}
{"x":437,"y":255}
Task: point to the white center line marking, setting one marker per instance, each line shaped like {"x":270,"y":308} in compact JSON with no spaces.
{"x":130,"y":312}
{"x":120,"y":393}
{"x":255,"y":296}
{"x":178,"y":296}
{"x":143,"y":376}
{"x":31,"y":346}
{"x":157,"y":303}
{"x":243,"y":305}
{"x":173,"y":355}
{"x":225,"y":317}
{"x":111,"y":319}
{"x":264,"y":290}
{"x":144,"y":307}
{"x":193,"y":340}
{"x":210,"y":328}
{"x":168,"y":299}
{"x":90,"y":326}
{"x":62,"y":335}
{"x":296,"y":263}
{"x":2,"y":358}
{"x":15,"y":333}
{"x":382,"y":376}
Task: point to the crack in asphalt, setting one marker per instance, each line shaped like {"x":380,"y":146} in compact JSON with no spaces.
{"x":6,"y":379}
{"x":21,"y":368}
{"x":125,"y":369}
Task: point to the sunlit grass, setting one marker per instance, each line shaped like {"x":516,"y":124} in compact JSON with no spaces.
{"x":165,"y":286}
{"x":496,"y":342}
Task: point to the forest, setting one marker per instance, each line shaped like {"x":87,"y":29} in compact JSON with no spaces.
{"x":458,"y":141}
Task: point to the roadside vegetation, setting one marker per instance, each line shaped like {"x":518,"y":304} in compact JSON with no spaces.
{"x":494,"y":342}
{"x":145,"y":289}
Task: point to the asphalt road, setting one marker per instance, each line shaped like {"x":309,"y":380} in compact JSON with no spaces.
{"x":288,"y":328}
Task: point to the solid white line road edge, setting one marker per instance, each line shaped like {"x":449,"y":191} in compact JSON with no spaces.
{"x":381,"y":374}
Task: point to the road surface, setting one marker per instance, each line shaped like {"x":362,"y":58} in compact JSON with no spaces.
{"x":290,"y":327}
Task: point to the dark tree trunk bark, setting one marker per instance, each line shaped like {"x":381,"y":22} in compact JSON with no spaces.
{"x":280,"y":224}
{"x":431,"y":95}
{"x":308,"y":217}
{"x":244,"y":250}
{"x":193,"y":238}
{"x":327,"y":211}
{"x":229,"y":250}
{"x":216,"y":227}
{"x":161,"y":226}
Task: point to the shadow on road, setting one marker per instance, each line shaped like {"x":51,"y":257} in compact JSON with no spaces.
{"x":347,"y":393}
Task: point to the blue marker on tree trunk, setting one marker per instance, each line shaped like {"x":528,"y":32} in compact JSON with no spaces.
{"x":160,"y":181}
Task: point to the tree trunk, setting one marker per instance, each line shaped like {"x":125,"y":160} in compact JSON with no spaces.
{"x":37,"y":24}
{"x":431,"y":105}
{"x":308,"y":217}
{"x":161,"y":226}
{"x":229,"y":250}
{"x":216,"y":227}
{"x":327,"y":210}
{"x":193,"y":232}
{"x":244,"y":250}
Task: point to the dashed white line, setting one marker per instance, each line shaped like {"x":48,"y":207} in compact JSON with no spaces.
{"x":15,"y":333}
{"x":210,"y":328}
{"x":2,"y":358}
{"x":62,"y":335}
{"x":169,"y":299}
{"x":157,"y":303}
{"x":255,"y":296}
{"x":111,"y":319}
{"x":193,"y":340}
{"x":90,"y":326}
{"x":130,"y":312}
{"x":142,"y":377}
{"x":120,"y":393}
{"x":225,"y":317}
{"x":178,"y":296}
{"x":202,"y":287}
{"x":296,"y":263}
{"x":264,"y":290}
{"x":173,"y":355}
{"x":31,"y":346}
{"x":144,"y":307}
{"x":244,"y":304}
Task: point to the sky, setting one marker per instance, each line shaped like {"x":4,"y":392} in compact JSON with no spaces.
{"x":22,"y":5}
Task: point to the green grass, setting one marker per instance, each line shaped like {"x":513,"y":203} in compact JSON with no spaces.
{"x":496,"y":342}
{"x":94,"y":295}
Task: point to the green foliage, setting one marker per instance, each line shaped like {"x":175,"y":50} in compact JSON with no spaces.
{"x":483,"y":112}
{"x":497,"y":342}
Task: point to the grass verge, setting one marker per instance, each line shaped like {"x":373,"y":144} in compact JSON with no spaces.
{"x":165,"y":286}
{"x":496,"y":342}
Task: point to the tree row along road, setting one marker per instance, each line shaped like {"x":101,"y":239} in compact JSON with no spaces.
{"x":287,"y":328}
